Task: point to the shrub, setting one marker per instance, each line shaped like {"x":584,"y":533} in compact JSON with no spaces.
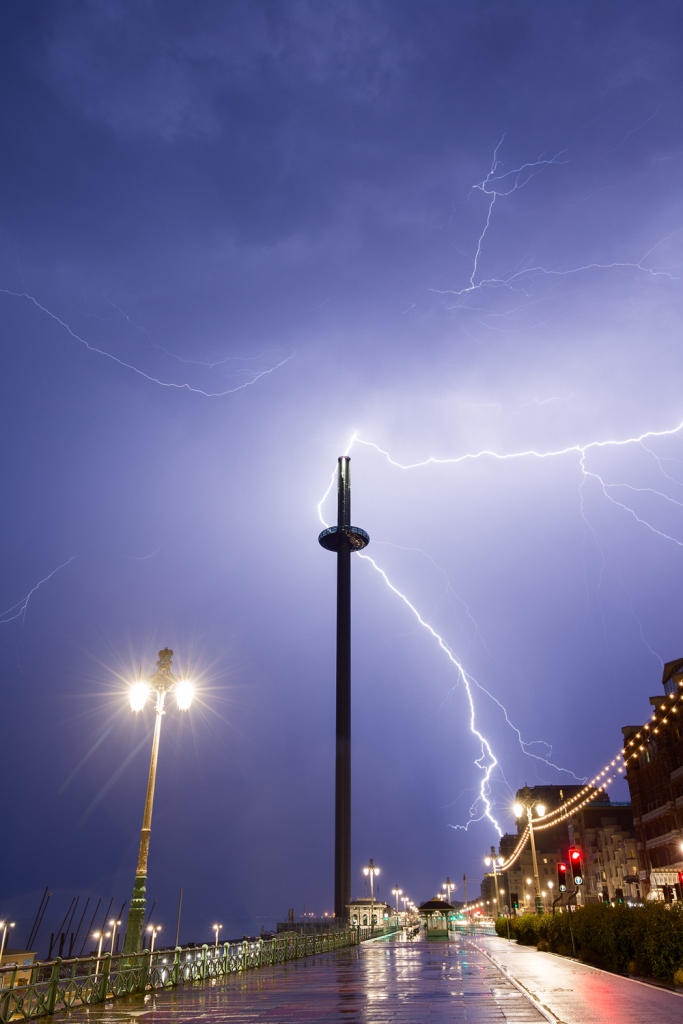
{"x":628,"y":940}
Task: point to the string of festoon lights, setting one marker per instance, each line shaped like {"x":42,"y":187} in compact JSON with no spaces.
{"x":671,"y":704}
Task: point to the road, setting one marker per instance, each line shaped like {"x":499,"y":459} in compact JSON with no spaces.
{"x":467,"y":981}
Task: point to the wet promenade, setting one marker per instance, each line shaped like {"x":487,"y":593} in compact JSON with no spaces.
{"x":406,"y":982}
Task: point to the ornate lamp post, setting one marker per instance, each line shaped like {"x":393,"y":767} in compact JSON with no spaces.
{"x":371,"y":870}
{"x":161,"y":683}
{"x":216,"y":929}
{"x":540,"y":811}
{"x":396,"y":892}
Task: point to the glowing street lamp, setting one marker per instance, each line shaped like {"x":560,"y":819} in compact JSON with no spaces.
{"x":154,"y":930}
{"x":371,"y":870}
{"x":495,"y":862}
{"x":519,"y":810}
{"x":397,"y":892}
{"x":114,"y":925}
{"x":449,"y":887}
{"x":217,"y":928}
{"x":162,"y":682}
{"x":4,"y":925}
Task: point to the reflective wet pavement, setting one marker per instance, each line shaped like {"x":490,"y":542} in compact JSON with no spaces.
{"x":409,"y":982}
{"x":406,"y":982}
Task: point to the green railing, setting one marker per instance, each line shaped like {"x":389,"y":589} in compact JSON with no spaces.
{"x":50,"y":987}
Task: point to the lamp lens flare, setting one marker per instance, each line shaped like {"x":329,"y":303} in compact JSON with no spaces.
{"x":184,"y":694}
{"x":139,"y":694}
{"x":518,"y":810}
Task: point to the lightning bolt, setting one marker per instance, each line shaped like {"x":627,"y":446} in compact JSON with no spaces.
{"x":256,"y":374}
{"x":19,"y":609}
{"x":209,"y":364}
{"x":497,"y":185}
{"x":487,"y":760}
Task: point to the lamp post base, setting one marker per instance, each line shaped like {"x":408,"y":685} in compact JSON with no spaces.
{"x":136,"y":917}
{"x":539,"y":905}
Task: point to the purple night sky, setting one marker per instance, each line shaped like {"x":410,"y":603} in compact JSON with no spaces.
{"x":236,"y":241}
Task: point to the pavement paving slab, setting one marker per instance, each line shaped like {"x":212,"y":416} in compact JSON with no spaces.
{"x":573,"y":993}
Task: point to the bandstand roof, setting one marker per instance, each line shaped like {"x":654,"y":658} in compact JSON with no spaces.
{"x":436,"y":904}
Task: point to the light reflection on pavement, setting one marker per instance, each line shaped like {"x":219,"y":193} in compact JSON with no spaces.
{"x":405,"y":982}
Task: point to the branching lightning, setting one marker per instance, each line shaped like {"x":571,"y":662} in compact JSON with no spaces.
{"x":487,"y":762}
{"x":18,"y":610}
{"x":499,"y":184}
{"x":255,"y":374}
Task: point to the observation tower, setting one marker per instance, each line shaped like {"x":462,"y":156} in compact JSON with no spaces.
{"x":343,"y":539}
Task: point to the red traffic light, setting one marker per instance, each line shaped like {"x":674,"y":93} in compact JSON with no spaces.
{"x":575,"y":854}
{"x":563,"y":867}
{"x":680,"y":877}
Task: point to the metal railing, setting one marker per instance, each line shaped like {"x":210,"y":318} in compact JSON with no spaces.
{"x":52,"y":986}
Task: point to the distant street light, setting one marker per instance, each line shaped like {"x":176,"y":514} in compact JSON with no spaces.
{"x":494,"y":862}
{"x":371,"y":870}
{"x":519,"y":810}
{"x":114,"y":925}
{"x":4,"y":925}
{"x":154,"y":930}
{"x":161,"y":683}
{"x":217,"y":928}
{"x":449,"y":887}
{"x":101,"y":936}
{"x":397,"y":892}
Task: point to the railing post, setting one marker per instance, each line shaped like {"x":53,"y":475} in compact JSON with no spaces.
{"x":145,"y":958}
{"x":104,"y":977}
{"x":176,"y":966}
{"x":245,"y":954}
{"x":53,"y":989}
{"x":260,"y":952}
{"x":205,"y":950}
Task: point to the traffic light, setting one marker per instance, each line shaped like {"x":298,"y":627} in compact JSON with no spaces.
{"x":680,"y":878}
{"x":619,"y":895}
{"x":575,"y":864}
{"x":562,"y":877}
{"x":514,"y":899}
